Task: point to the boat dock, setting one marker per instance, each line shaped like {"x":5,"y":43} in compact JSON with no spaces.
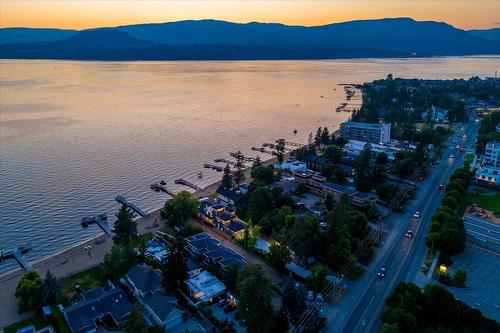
{"x":101,"y":220}
{"x":217,"y":168}
{"x":17,"y":254}
{"x":189,"y":184}
{"x":246,"y":159}
{"x":163,"y":188}
{"x":223,"y":160}
{"x":289,"y":143}
{"x":121,"y":199}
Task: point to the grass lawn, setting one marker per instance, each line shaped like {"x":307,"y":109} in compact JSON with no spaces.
{"x":86,"y":279}
{"x":489,"y":200}
{"x":37,"y":321}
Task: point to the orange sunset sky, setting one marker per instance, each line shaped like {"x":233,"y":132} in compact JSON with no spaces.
{"x":81,"y":14}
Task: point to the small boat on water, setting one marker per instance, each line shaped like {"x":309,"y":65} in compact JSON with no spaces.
{"x":295,"y":131}
{"x":200,"y":174}
{"x":163,"y":182}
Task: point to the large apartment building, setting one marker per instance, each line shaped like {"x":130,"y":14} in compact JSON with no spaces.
{"x":373,"y":133}
{"x":492,"y":154}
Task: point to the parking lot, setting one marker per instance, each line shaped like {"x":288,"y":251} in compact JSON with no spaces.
{"x":483,"y":269}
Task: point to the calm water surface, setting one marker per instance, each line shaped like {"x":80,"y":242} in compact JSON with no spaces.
{"x":73,"y":135}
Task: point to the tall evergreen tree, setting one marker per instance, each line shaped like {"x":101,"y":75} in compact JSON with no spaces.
{"x":28,"y":290}
{"x":280,"y":322}
{"x":227,"y":178}
{"x":136,"y":322}
{"x":51,"y":289}
{"x":174,"y":267}
{"x":317,"y":138}
{"x":256,"y":163}
{"x":125,"y":227}
{"x":238,"y":169}
{"x":280,"y":150}
{"x":325,"y":136}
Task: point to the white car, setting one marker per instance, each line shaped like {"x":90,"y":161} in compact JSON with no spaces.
{"x":409,"y":233}
{"x":452,"y":156}
{"x":381,"y":272}
{"x":416,"y":215}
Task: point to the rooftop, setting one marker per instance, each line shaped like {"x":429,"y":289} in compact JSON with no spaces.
{"x":205,"y":286}
{"x":362,"y":125}
{"x":144,"y":277}
{"x":162,"y":305}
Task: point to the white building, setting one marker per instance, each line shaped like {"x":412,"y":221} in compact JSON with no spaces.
{"x":355,"y":147}
{"x":490,"y":175}
{"x":373,"y":133}
{"x":492,"y":154}
{"x":292,"y":166}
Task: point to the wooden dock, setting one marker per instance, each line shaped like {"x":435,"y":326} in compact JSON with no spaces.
{"x":217,"y":168}
{"x":17,"y":254}
{"x":121,"y":199}
{"x":246,"y":159}
{"x":101,"y":220}
{"x":289,"y":143}
{"x":223,"y":160}
{"x":163,"y":188}
{"x":189,"y":184}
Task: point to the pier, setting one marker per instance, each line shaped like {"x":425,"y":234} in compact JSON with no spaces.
{"x":189,"y":184}
{"x":121,"y":199}
{"x":223,"y":160}
{"x":17,"y":254}
{"x":217,"y":168}
{"x":289,"y":143}
{"x":101,"y":220}
{"x":163,"y":188}
{"x":246,"y":159}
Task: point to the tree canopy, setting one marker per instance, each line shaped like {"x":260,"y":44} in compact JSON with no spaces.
{"x":178,"y":209}
{"x":125,"y":228}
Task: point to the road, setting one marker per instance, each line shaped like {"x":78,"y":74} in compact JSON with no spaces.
{"x":406,"y":255}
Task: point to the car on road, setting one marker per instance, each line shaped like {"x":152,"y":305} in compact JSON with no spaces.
{"x":310,"y":296}
{"x":409,"y":233}
{"x":441,"y":187}
{"x":416,"y":215}
{"x":381,"y":272}
{"x":452,"y":156}
{"x":457,"y":147}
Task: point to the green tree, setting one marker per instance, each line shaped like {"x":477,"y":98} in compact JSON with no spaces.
{"x":280,"y":322}
{"x":362,"y":167}
{"x":389,"y":328}
{"x":333,"y":153}
{"x":178,"y":209}
{"x":280,"y":150}
{"x":460,"y":276}
{"x":317,"y":280}
{"x":125,"y":228}
{"x":257,"y":204}
{"x":51,"y":289}
{"x":381,"y":158}
{"x":119,"y":260}
{"x":29,"y":291}
{"x":329,"y":202}
{"x":279,"y":255}
{"x":174,"y":267}
{"x":257,"y":162}
{"x":317,"y":137}
{"x":325,"y":136}
{"x":135,"y":322}
{"x":305,"y":237}
{"x":230,"y":277}
{"x":227,"y":178}
{"x":255,"y":295}
{"x":239,"y":166}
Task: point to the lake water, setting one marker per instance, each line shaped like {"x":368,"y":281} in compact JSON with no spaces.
{"x":73,"y":135}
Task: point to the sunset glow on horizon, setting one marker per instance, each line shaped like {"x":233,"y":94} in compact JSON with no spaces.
{"x":80,"y":14}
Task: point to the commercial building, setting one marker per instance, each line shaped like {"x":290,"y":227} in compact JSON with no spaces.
{"x":482,"y":232}
{"x":355,"y":147}
{"x":373,"y":133}
{"x":489,"y":172}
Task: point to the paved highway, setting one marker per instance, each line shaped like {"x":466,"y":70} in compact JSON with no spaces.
{"x":405,"y":257}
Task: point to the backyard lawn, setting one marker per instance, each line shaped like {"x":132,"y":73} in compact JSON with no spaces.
{"x":487,"y":199}
{"x":87,"y":279}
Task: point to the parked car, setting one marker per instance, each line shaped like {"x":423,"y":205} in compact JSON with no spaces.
{"x":452,"y":156}
{"x":409,"y":233}
{"x":310,"y":296}
{"x":416,"y":215}
{"x":381,"y":272}
{"x":222,"y":302}
{"x":441,"y":187}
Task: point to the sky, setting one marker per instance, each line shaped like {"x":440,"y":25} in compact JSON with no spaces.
{"x":83,"y":14}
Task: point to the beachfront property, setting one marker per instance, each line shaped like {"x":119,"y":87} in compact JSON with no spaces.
{"x":373,"y":133}
{"x":316,"y":184}
{"x":98,"y":308}
{"x":143,"y":280}
{"x":230,"y":196}
{"x":205,"y":287}
{"x":221,"y":217}
{"x":211,"y":252}
{"x":291,"y":165}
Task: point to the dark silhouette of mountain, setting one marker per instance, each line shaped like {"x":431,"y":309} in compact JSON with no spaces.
{"x":490,"y":34}
{"x":32,"y":35}
{"x":211,"y":39}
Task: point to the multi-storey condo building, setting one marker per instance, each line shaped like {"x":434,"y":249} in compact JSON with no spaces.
{"x":373,"y":133}
{"x":492,"y":154}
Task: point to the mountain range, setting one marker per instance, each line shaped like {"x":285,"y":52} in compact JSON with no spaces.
{"x":212,"y":39}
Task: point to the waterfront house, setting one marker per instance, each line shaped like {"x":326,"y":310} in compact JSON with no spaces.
{"x":221,"y":217}
{"x":291,"y":165}
{"x":143,"y":280}
{"x":209,"y":250}
{"x":205,"y":287}
{"x":98,"y":308}
{"x":230,"y":196}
